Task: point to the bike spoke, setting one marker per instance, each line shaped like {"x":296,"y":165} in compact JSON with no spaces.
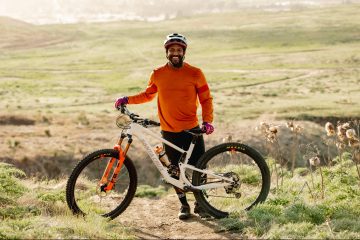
{"x":88,"y":193}
{"x":245,"y":184}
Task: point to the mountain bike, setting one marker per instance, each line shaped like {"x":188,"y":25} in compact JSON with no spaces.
{"x":227,"y":178}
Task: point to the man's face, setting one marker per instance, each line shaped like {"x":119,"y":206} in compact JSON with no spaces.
{"x":175,"y":54}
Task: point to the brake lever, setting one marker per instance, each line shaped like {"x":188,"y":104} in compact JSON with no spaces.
{"x":134,"y":116}
{"x":149,"y":122}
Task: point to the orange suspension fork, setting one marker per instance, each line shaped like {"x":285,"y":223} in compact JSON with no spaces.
{"x":122,"y":154}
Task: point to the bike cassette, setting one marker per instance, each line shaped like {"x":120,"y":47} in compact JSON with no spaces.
{"x":235,"y":184}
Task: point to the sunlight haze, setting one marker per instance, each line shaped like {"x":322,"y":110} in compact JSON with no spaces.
{"x":72,"y":11}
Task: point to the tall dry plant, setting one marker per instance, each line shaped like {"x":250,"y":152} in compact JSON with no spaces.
{"x":329,"y":141}
{"x":345,"y":138}
{"x":270,"y":133}
{"x":354,"y":143}
{"x":311,"y":155}
{"x":296,"y":131}
{"x":315,"y":162}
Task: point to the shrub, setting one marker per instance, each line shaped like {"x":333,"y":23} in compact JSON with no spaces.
{"x":231,"y":224}
{"x":300,"y":212}
{"x":52,"y":197}
{"x":346,"y":224}
{"x":301,"y":171}
{"x":262,"y":216}
{"x":279,"y":200}
{"x":16,"y":212}
{"x":290,"y":231}
{"x":149,"y":192}
{"x":345,"y":210}
{"x":10,"y":187}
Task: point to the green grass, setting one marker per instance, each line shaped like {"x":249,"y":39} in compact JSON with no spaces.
{"x":292,"y":65}
{"x":292,"y":211}
{"x":259,"y":53}
{"x":146,"y":191}
{"x":38,"y":210}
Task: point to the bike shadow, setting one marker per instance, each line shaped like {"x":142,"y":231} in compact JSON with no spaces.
{"x":216,"y":230}
{"x":216,"y":226}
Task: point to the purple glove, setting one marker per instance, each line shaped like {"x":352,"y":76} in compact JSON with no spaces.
{"x":207,"y":128}
{"x":121,"y":101}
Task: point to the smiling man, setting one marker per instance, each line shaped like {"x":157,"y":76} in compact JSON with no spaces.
{"x":179,"y":86}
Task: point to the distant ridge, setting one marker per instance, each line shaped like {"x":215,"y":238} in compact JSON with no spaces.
{"x":17,"y":34}
{"x":8,"y":21}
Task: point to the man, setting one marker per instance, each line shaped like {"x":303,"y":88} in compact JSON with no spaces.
{"x":179,"y":86}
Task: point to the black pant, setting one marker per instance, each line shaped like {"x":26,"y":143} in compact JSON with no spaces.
{"x":183,"y":140}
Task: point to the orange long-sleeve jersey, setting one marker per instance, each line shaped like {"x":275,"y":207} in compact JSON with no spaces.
{"x":178,"y":92}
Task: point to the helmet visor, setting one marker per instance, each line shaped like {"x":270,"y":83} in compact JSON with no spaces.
{"x":175,"y":41}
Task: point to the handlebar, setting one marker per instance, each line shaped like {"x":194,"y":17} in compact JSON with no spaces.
{"x":196,"y":131}
{"x":136,"y":118}
{"x":146,"y":122}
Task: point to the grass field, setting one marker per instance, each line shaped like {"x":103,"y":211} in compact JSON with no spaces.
{"x":58,"y":84}
{"x":284,"y":63}
{"x":300,"y":65}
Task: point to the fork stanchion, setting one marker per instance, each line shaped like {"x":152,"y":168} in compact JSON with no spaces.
{"x":109,"y":165}
{"x":121,"y":138}
{"x":112,"y":182}
{"x":117,"y":170}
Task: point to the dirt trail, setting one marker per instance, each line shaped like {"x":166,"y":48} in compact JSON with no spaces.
{"x":157,"y":219}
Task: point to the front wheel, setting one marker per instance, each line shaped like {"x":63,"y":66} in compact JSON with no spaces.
{"x":245,"y":166}
{"x":85,"y":194}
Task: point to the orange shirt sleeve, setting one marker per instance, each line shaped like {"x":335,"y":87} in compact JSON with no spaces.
{"x":205,"y":98}
{"x":147,"y":95}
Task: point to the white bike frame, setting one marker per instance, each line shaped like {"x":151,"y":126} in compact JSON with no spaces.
{"x":140,"y":132}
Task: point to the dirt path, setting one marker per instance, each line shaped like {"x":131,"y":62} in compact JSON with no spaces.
{"x":157,"y":219}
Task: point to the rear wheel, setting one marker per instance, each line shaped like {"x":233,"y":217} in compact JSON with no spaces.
{"x":84,"y":195}
{"x":245,"y":166}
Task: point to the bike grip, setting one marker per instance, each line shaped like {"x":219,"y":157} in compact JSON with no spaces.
{"x":154,"y":123}
{"x":196,"y":131}
{"x":122,"y":107}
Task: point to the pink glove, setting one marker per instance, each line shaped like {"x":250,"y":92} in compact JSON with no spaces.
{"x":121,"y":101}
{"x":207,"y":128}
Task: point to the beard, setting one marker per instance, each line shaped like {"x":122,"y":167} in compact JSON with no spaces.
{"x":176,"y":60}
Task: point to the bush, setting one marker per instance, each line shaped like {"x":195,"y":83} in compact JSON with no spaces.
{"x":10,"y":187}
{"x":301,"y":171}
{"x":290,"y":231}
{"x":300,"y":212}
{"x":346,"y":224}
{"x":19,"y":212}
{"x":279,"y":201}
{"x":263,"y":216}
{"x":149,"y":192}
{"x":231,"y":224}
{"x":345,"y":210}
{"x":52,"y":197}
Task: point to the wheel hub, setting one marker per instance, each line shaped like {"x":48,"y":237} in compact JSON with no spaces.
{"x":101,"y":190}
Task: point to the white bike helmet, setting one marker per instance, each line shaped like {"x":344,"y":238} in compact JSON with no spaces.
{"x":175,"y":38}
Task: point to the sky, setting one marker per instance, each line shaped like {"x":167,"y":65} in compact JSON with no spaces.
{"x":69,"y":11}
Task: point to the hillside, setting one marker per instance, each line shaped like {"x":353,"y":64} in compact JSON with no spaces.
{"x":58,"y":84}
{"x":299,"y":65}
{"x":277,"y":57}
